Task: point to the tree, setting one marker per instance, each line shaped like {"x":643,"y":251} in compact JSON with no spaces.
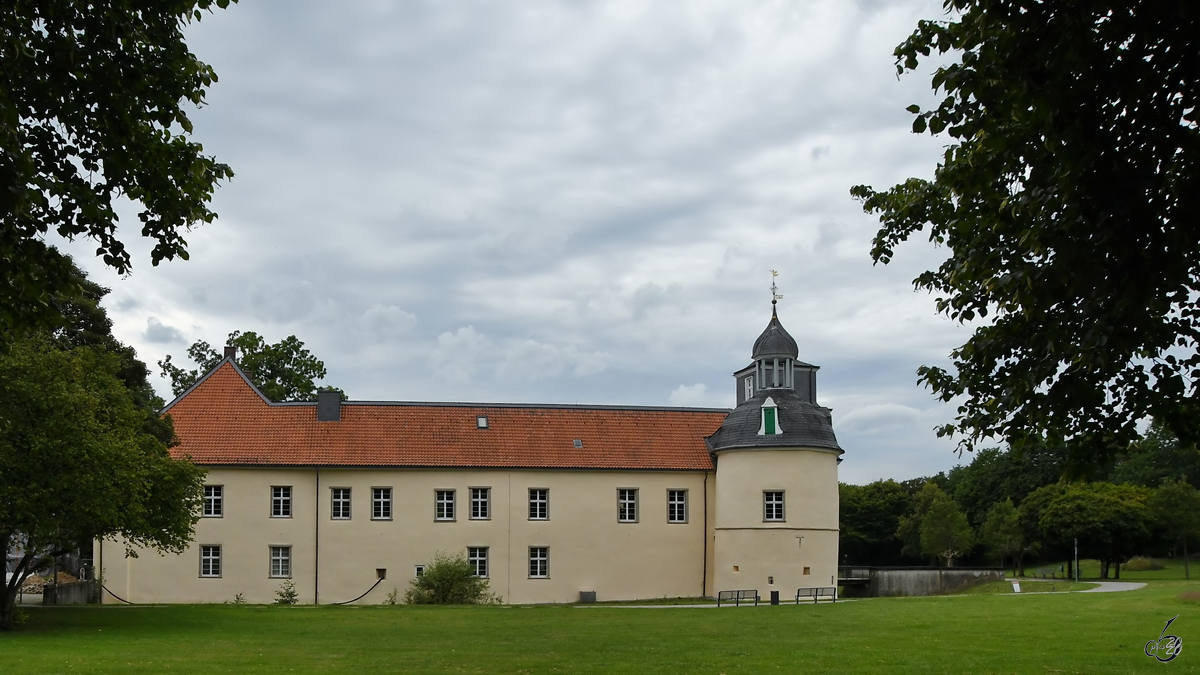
{"x":91,"y":109}
{"x":1176,"y":509}
{"x":1157,"y":457}
{"x":86,"y":324}
{"x":1068,"y":202}
{"x":1003,"y":535}
{"x":909,"y":529}
{"x":76,"y":462}
{"x":945,"y":532}
{"x":449,"y":580}
{"x":995,"y":475}
{"x":1111,"y":522}
{"x":869,"y":517}
{"x":284,"y":371}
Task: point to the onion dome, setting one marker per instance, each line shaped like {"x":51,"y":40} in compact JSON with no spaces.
{"x":775,"y":341}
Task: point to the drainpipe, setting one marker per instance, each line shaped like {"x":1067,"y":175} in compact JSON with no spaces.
{"x":317,"y":540}
{"x":704,"y":578}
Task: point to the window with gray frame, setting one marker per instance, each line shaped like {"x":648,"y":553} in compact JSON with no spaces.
{"x":773,"y":505}
{"x":481,"y":503}
{"x":539,"y":504}
{"x":477,"y":556}
{"x":381,"y":503}
{"x":539,"y":562}
{"x":281,"y":501}
{"x":677,"y":511}
{"x":443,"y":505}
{"x":340,"y":509}
{"x":627,"y":505}
{"x":214,"y":498}
{"x":281,"y":561}
{"x":210,"y":560}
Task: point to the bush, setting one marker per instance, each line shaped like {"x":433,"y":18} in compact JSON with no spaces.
{"x":449,"y":580}
{"x":286,"y":595}
{"x":1143,"y":564}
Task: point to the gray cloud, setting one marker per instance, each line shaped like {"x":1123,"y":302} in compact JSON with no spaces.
{"x":158,"y":332}
{"x":580,"y":202}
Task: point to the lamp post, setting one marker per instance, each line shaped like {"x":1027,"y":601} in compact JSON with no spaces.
{"x":1076,"y":559}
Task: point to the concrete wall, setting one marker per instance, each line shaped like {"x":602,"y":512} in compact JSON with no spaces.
{"x":336,"y":560}
{"x":912,"y":582}
{"x":799,"y":552}
{"x":77,"y":593}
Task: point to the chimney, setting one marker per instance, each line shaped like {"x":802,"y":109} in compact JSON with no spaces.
{"x":329,"y":406}
{"x":231,"y":352}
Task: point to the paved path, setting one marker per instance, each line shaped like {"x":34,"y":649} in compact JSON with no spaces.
{"x":1114,"y":586}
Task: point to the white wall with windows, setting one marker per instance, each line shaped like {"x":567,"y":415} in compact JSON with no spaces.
{"x":537,"y":536}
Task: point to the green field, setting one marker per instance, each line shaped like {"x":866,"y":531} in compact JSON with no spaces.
{"x":1058,"y":633}
{"x":1090,"y":569}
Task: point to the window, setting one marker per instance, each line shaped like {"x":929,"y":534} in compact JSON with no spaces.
{"x":478,"y":557}
{"x":341,"y":504}
{"x":749,"y":382}
{"x":676,"y":506}
{"x":539,"y":504}
{"x":281,"y":501}
{"x":770,"y":419}
{"x":214,"y":497}
{"x":627,"y":505}
{"x":578,"y":442}
{"x":420,"y":569}
{"x":773,"y":505}
{"x":481,"y":422}
{"x":381,"y":503}
{"x":539,"y":562}
{"x":281,"y":561}
{"x":210,"y":561}
{"x":480,"y":503}
{"x":444,"y":505}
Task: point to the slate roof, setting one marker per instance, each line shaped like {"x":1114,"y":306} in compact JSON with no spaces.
{"x":775,"y":341}
{"x":804,"y":424}
{"x":224,"y":420}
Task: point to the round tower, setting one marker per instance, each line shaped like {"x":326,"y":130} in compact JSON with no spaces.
{"x":776,"y":515}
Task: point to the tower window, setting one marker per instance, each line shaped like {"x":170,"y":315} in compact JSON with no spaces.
{"x":749,"y":384}
{"x":773,"y":506}
{"x":770,"y":419}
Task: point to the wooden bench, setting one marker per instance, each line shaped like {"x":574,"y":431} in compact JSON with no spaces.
{"x":737,"y":597}
{"x":816,"y":593}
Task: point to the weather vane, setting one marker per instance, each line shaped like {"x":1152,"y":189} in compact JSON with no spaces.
{"x":775,"y":296}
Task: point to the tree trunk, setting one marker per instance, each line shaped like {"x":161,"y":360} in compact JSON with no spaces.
{"x":1117,"y":566}
{"x":1070,"y":568}
{"x":1187,"y":574}
{"x":1020,"y":564}
{"x":1103,"y":568}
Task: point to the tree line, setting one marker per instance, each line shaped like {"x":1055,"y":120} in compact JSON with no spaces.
{"x":1013,"y":508}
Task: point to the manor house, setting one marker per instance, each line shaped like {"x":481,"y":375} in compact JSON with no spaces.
{"x":350,"y":499}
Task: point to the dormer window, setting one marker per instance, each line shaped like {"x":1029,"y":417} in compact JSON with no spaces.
{"x":770,"y":419}
{"x":749,"y":384}
{"x":481,"y":422}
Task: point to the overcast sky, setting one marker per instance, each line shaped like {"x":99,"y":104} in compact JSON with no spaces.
{"x":562,"y":202}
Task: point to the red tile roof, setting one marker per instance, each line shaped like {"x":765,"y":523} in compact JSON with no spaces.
{"x":223,"y":420}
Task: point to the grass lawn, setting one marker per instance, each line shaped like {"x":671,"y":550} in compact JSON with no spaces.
{"x":1059,"y":633}
{"x":1090,"y":569}
{"x":1028,"y":586}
